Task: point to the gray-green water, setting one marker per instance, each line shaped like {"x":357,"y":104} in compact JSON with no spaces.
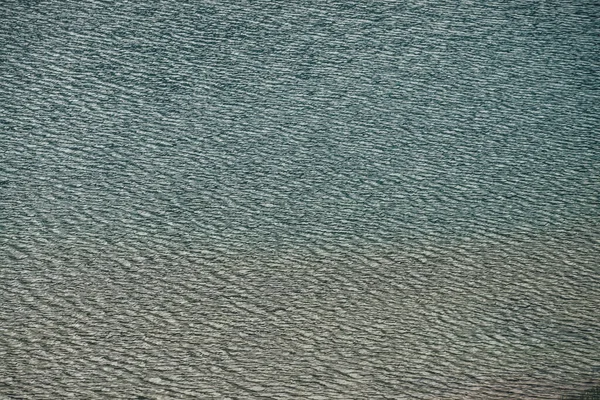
{"x":299,"y":200}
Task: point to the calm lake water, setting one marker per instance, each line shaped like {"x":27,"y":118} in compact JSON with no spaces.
{"x":299,"y":200}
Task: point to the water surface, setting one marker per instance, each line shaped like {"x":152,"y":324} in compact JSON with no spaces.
{"x":300,"y":200}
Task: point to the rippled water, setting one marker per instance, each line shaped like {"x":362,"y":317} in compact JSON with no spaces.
{"x":303,"y":200}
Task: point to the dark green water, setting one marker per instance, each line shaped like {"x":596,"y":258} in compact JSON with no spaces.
{"x":299,"y":200}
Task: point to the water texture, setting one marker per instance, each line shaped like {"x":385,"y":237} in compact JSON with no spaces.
{"x":299,"y":200}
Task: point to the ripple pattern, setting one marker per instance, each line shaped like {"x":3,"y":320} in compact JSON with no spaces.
{"x":301,"y":200}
